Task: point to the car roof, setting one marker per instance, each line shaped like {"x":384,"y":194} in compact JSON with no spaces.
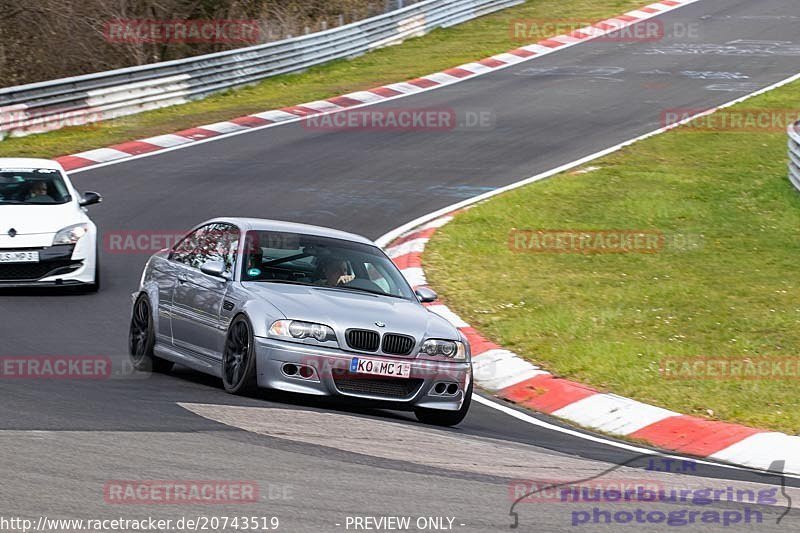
{"x":29,"y":162}
{"x":261,"y":224}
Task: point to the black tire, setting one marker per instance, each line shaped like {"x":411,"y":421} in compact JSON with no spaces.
{"x":438,"y":417}
{"x":239,"y":358}
{"x":142,"y":339}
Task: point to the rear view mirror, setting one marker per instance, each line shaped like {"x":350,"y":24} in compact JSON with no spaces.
{"x":215,"y":269}
{"x":426,"y":295}
{"x":90,"y":198}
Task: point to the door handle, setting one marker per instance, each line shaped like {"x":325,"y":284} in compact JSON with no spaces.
{"x":182,"y":279}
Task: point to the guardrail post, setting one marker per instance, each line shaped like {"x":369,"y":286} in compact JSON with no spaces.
{"x":794,"y":154}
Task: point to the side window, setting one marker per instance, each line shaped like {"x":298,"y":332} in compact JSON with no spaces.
{"x":215,"y":242}
{"x":188,"y":249}
{"x":227,"y":245}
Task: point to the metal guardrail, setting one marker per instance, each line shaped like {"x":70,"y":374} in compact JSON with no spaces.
{"x":50,"y":105}
{"x":794,"y":154}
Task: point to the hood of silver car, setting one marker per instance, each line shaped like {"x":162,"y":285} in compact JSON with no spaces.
{"x":342,"y":310}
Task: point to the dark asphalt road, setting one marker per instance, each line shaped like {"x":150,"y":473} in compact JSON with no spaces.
{"x":545,"y":113}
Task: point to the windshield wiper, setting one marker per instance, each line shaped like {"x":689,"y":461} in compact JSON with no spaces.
{"x":11,"y":202}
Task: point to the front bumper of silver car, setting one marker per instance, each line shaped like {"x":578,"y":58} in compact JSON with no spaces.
{"x":319,"y":371}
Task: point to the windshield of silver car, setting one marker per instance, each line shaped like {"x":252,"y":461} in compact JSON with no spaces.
{"x":281,"y":257}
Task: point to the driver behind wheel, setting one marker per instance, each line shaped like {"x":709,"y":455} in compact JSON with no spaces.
{"x":38,"y":194}
{"x":334,"y":272}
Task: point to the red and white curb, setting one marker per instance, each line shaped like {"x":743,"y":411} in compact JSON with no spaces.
{"x":160,"y":143}
{"x":512,"y":378}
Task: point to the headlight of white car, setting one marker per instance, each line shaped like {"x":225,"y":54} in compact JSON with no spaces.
{"x":296,"y":329}
{"x":71,"y":234}
{"x":453,"y":350}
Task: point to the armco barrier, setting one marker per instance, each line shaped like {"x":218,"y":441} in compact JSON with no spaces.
{"x":794,"y":154}
{"x":50,"y":105}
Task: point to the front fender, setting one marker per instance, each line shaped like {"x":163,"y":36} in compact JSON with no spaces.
{"x":261,"y":314}
{"x":150,"y":289}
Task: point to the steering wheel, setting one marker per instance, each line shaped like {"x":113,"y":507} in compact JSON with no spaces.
{"x":360,"y":283}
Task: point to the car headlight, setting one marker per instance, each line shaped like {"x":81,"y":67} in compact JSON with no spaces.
{"x":454,"y":350}
{"x":71,"y":234}
{"x":295,"y":329}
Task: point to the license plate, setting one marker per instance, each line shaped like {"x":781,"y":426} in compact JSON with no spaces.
{"x":377,"y":367}
{"x":19,"y":257}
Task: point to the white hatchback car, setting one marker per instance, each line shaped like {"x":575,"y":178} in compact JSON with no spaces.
{"x":46,"y":238}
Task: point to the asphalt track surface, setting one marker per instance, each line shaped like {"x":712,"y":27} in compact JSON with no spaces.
{"x":61,"y":441}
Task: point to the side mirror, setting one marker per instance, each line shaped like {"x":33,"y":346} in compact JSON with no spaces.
{"x":215,"y":269}
{"x":426,"y":295}
{"x":90,"y":198}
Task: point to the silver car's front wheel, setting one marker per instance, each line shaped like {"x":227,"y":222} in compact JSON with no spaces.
{"x":239,"y":358}
{"x":142,"y":339}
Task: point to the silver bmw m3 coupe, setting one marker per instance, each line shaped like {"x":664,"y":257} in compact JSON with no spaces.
{"x":299,"y":308}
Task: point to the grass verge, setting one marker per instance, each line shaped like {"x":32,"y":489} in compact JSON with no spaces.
{"x":437,"y":51}
{"x":725,"y":285}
